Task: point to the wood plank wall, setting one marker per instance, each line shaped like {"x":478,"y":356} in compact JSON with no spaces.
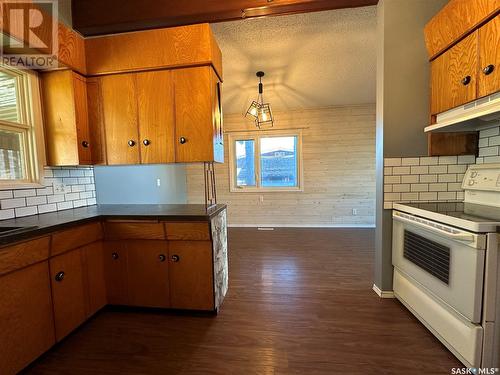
{"x":339,"y":172}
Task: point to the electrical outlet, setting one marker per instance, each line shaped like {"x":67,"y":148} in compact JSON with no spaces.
{"x":59,"y":187}
{"x":158,"y":182}
{"x":261,"y":198}
{"x":354,"y":212}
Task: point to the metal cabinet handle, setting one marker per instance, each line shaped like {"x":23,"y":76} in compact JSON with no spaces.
{"x":466,"y":80}
{"x":131,"y":143}
{"x":182,"y":140}
{"x":59,"y":276}
{"x":114,"y":256}
{"x":85,"y":144}
{"x":146,"y":142}
{"x":175,"y":258}
{"x":487,"y":70}
{"x":162,"y":257}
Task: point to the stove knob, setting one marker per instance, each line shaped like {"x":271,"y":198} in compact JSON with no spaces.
{"x":471,"y":182}
{"x":473,"y":174}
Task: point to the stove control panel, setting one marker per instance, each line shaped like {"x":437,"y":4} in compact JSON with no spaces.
{"x":484,"y":177}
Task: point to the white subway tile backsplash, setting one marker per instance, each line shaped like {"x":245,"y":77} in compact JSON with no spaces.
{"x":448,"y":159}
{"x":34,"y":201}
{"x":447,"y":178}
{"x":410,"y":161}
{"x":419,"y":187}
{"x":409,"y":179}
{"x":438,"y":187}
{"x":429,"y":178}
{"x":430,"y":196}
{"x":401,"y":170}
{"x":401,"y":188}
{"x":24,"y":193}
{"x":392,"y":162}
{"x":64,"y":206}
{"x":392,"y":179}
{"x":420,"y":170}
{"x":78,"y":185}
{"x":494,"y":141}
{"x":430,"y":160}
{"x":13,"y":203}
{"x":438,"y":169}
{"x":26,"y":211}
{"x":489,"y":151}
{"x":492,"y":132}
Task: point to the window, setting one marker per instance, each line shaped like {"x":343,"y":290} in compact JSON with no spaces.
{"x":21,"y":152}
{"x":267,"y":161}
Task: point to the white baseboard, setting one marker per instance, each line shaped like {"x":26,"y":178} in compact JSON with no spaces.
{"x":383,"y":293}
{"x":301,"y":226}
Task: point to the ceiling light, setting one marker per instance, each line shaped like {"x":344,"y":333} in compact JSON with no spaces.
{"x":259,"y":110}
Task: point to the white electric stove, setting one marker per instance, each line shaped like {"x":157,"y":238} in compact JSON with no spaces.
{"x":446,"y":266}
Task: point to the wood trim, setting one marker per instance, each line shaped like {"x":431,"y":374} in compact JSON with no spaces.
{"x":451,"y":144}
{"x":134,"y":231}
{"x":199,"y":231}
{"x":176,"y":47}
{"x":23,"y":254}
{"x":75,"y":237}
{"x":455,"y":21}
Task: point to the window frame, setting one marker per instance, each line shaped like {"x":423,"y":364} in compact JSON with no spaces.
{"x":30,"y":125}
{"x":256,"y":136}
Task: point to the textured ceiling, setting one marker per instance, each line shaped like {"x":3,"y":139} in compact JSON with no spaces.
{"x":310,"y":60}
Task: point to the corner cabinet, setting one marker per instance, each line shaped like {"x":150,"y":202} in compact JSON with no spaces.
{"x":163,"y":116}
{"x":65,"y":107}
{"x":198,"y":115}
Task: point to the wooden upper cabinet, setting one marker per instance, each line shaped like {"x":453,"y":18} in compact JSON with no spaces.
{"x":155,"y":97}
{"x":66,"y":118}
{"x":198,"y":125}
{"x":455,"y":20}
{"x":119,"y":106}
{"x":454,"y":75}
{"x":26,"y":320}
{"x":489,"y":57}
{"x":96,"y":126}
{"x":147,"y":273}
{"x":68,"y":292}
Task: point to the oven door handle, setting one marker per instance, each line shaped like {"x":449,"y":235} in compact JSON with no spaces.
{"x":461,"y":236}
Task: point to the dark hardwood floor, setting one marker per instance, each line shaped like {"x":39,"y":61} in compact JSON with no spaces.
{"x":299,"y":302}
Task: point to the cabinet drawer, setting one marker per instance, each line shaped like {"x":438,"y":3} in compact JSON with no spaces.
{"x":76,"y":237}
{"x":134,"y":230}
{"x":188,"y":231}
{"x":23,"y":254}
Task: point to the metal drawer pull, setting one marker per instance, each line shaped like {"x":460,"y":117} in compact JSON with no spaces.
{"x":59,"y":276}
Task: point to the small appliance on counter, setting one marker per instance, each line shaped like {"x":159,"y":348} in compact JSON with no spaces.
{"x":447,"y":266}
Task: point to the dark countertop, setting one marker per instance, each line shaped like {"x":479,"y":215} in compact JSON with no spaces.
{"x":38,"y":225}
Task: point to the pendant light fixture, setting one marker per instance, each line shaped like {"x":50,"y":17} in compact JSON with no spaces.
{"x":258,"y":109}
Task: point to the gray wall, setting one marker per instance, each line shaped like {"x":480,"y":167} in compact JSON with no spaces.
{"x":137,"y":184}
{"x":402,"y":103}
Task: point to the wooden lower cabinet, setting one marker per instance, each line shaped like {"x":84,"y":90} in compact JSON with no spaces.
{"x":115,"y":263}
{"x":68,"y":292}
{"x":95,"y":277}
{"x":147,"y":273}
{"x":191,"y":275}
{"x":26,"y":321}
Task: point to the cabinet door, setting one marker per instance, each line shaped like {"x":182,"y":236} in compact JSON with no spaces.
{"x":191,"y":275}
{"x":155,"y":95}
{"x":193,"y":115}
{"x":82,"y":119}
{"x":115,"y":264}
{"x":95,"y":279}
{"x":147,"y":273}
{"x":67,"y":281}
{"x":26,"y":321}
{"x":489,"y":57}
{"x":454,"y":76}
{"x":119,"y":105}
{"x":64,"y":112}
{"x":96,"y":127}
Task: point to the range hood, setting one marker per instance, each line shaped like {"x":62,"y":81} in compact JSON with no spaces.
{"x":470,"y":116}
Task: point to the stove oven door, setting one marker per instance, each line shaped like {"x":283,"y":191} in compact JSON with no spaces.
{"x":447,"y":262}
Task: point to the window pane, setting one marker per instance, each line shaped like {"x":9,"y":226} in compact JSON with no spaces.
{"x":245,"y":163}
{"x":8,"y":98}
{"x":278,"y":161}
{"x":11,"y":156}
